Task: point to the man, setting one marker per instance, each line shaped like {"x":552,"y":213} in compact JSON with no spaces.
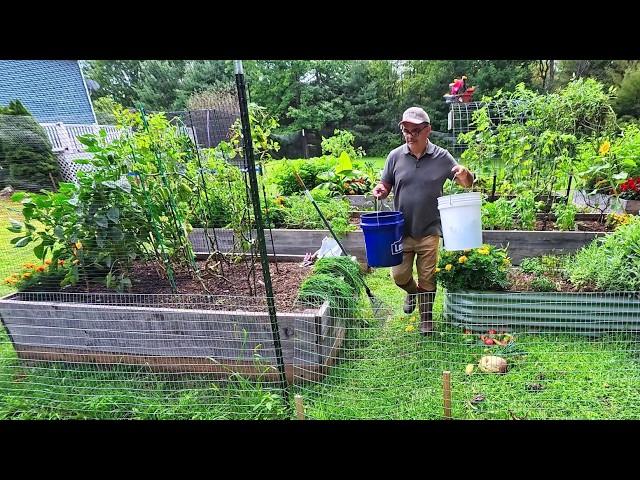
{"x":417,"y":171}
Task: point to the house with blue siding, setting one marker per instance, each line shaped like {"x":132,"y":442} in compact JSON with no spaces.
{"x":52,"y":90}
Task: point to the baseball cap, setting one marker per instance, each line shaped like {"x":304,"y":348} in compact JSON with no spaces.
{"x":415,"y":115}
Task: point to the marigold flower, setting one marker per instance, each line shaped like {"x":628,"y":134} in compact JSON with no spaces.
{"x":79,"y":245}
{"x":26,"y":275}
{"x":47,"y":262}
{"x":61,"y":262}
{"x":8,"y":280}
{"x":604,"y":148}
{"x":28,"y":265}
{"x":483,"y":251}
{"x":409,"y":328}
{"x":462,"y":259}
{"x":40,"y":268}
{"x":448,"y":267}
{"x":437,"y":269}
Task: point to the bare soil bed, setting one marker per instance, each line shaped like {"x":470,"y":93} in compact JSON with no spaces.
{"x":235,"y":286}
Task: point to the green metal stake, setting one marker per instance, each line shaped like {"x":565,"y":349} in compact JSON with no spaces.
{"x":251,"y":165}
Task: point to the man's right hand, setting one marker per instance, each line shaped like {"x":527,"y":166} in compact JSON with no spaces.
{"x":380,"y":192}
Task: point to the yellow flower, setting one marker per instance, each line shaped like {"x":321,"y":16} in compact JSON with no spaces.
{"x":506,"y":261}
{"x":47,"y":262}
{"x":26,"y":275}
{"x":448,"y":267}
{"x":79,"y":245}
{"x":28,"y":265}
{"x":483,"y":251}
{"x":462,"y":259}
{"x":8,"y":280}
{"x":604,"y":148}
{"x":409,"y":328}
{"x":437,"y":269}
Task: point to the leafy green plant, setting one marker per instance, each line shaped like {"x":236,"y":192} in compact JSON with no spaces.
{"x":483,"y":268}
{"x":296,"y":211}
{"x":281,"y":173}
{"x":525,"y":207}
{"x":344,"y":179}
{"x":543,"y":284}
{"x":532,"y":265}
{"x":341,"y":142}
{"x":498,"y":215}
{"x":611,"y":263}
{"x":565,"y":215}
{"x":132,"y":205}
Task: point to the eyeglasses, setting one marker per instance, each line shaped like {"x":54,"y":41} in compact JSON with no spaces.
{"x":414,"y":132}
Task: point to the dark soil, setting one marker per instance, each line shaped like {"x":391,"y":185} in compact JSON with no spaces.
{"x":235,"y":286}
{"x":582,"y":226}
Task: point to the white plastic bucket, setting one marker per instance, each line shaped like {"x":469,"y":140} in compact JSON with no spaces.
{"x":461,"y":220}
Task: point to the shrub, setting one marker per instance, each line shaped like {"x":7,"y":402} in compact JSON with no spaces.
{"x":26,"y":158}
{"x":482,"y":268}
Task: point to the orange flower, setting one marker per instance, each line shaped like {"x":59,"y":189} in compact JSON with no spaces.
{"x":47,"y":262}
{"x":26,"y":275}
{"x":40,"y":268}
{"x":28,"y":265}
{"x":61,"y":262}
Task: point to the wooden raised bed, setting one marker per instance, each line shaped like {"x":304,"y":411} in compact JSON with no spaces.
{"x":521,"y":244}
{"x":63,"y":327}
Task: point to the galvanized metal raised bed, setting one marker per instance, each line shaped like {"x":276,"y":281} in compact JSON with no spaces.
{"x":576,"y":313}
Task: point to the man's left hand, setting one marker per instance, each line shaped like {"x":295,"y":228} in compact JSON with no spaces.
{"x":462,"y":175}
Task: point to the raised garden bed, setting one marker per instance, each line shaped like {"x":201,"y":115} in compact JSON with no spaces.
{"x":521,"y":244}
{"x":561,"y":312}
{"x":189,"y":333}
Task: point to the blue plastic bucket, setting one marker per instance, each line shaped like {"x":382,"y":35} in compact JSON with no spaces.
{"x":383,"y":238}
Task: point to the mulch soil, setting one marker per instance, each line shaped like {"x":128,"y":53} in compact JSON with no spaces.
{"x":235,"y":285}
{"x":520,"y":281}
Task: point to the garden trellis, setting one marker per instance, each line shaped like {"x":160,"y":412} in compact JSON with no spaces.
{"x":139,"y":289}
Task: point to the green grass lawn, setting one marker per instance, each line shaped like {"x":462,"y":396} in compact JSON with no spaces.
{"x":392,"y":373}
{"x":378,"y":162}
{"x":11,"y":258}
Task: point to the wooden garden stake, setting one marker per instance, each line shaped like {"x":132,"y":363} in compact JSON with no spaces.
{"x":299,"y":407}
{"x":446,"y":391}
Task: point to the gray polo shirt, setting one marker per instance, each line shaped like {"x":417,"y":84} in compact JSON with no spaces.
{"x":417,"y":184}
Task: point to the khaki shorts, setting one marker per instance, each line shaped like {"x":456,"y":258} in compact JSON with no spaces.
{"x":426,"y":250}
